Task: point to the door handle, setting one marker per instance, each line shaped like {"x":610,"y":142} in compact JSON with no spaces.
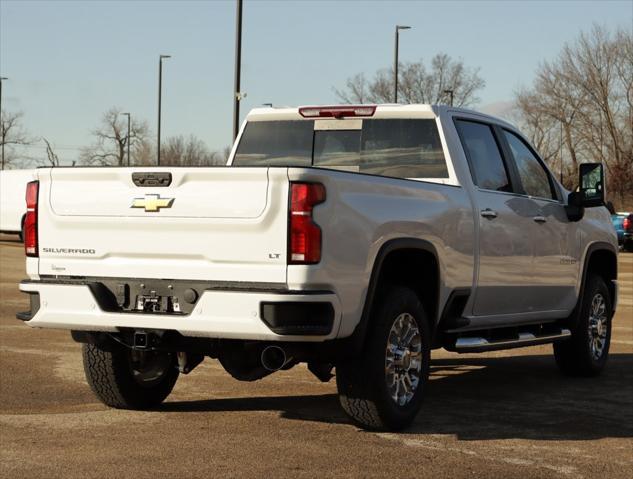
{"x":488,"y":213}
{"x":540,"y":219}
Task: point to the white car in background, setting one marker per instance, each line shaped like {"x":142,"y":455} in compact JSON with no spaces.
{"x":12,"y":202}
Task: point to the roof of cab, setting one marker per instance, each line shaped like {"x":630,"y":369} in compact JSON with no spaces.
{"x":386,"y":110}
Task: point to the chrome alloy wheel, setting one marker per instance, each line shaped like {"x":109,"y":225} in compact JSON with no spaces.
{"x":598,"y":326}
{"x":403,"y":359}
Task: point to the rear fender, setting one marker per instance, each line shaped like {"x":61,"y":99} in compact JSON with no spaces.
{"x":355,"y":343}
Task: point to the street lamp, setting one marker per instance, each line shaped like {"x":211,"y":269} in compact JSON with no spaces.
{"x":128,"y":137}
{"x":2,"y":121}
{"x":395,"y":62}
{"x":450,"y":93}
{"x":160,"y":94}
{"x":237,"y":95}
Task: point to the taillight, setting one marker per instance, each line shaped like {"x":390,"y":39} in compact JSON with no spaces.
{"x":337,"y":111}
{"x":305,"y":234}
{"x":626,"y":224}
{"x":30,"y":221}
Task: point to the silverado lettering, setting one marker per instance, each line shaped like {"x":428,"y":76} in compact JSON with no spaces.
{"x":69,"y":250}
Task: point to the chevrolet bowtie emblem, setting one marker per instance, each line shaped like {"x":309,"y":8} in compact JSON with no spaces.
{"x":152,"y":203}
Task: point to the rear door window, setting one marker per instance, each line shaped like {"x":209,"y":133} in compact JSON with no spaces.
{"x":484,"y":157}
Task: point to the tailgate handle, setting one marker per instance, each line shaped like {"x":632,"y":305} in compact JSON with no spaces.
{"x":152,"y":179}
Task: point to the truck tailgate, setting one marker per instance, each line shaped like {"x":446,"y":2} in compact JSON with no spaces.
{"x":215,"y":224}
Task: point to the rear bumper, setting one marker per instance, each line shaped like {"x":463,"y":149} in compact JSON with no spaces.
{"x":217,"y":314}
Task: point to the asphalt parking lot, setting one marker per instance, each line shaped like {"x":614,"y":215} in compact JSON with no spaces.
{"x":506,"y":414}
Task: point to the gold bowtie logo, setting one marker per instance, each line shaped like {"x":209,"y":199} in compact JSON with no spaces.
{"x":152,"y":203}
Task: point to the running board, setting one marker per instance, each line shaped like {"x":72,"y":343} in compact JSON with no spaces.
{"x":479,"y":344}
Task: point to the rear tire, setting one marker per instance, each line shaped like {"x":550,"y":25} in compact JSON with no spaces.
{"x":383,"y":388}
{"x":587,"y":351}
{"x":126,"y":379}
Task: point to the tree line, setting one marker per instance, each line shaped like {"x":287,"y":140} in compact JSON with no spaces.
{"x":579,"y":108}
{"x":109,"y":145}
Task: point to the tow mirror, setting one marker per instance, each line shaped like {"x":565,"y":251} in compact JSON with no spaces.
{"x":591,"y":191}
{"x":591,"y":183}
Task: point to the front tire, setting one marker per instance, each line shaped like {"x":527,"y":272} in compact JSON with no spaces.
{"x":587,"y":351}
{"x":382,"y":390}
{"x":127,"y":379}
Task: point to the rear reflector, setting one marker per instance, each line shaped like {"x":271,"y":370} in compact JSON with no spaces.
{"x":30,"y":221}
{"x":305,"y":235}
{"x":337,"y":111}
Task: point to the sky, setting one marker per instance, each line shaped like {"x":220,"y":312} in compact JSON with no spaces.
{"x":69,"y":61}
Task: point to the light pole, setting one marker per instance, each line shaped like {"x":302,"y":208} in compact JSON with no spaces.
{"x":2,"y":121}
{"x":237,"y":95}
{"x":450,"y":93}
{"x":160,"y":95}
{"x":561,"y":150}
{"x":395,"y":62}
{"x":128,"y":137}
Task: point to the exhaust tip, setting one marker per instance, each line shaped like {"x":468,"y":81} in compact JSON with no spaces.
{"x":273,"y":358}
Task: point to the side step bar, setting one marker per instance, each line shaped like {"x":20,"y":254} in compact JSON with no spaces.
{"x":479,"y":344}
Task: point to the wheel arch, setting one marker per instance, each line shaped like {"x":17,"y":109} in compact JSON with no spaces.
{"x":601,"y":258}
{"x":413,"y":254}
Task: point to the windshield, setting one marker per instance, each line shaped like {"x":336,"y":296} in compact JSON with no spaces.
{"x":400,"y":148}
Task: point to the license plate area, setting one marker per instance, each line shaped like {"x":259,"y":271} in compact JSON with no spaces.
{"x":154,"y":303}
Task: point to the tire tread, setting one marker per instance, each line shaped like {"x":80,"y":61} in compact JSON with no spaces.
{"x":572,"y":355}
{"x":358,"y":379}
{"x":101,"y":376}
{"x":109,"y":377}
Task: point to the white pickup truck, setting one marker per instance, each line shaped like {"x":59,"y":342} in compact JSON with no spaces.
{"x":350,"y":237}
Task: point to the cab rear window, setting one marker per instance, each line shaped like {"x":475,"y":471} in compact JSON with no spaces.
{"x":276,"y":143}
{"x":399,"y":148}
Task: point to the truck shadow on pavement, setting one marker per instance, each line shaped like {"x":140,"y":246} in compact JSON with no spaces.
{"x":522,"y":397}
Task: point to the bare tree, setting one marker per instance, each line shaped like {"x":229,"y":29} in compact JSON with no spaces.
{"x":12,"y":135}
{"x":416,"y":84}
{"x":190,"y":151}
{"x":222,"y":156}
{"x":356,"y":90}
{"x":144,"y":153}
{"x":110,"y":146}
{"x":583,"y":100}
{"x":51,"y":157}
{"x":542,"y":130}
